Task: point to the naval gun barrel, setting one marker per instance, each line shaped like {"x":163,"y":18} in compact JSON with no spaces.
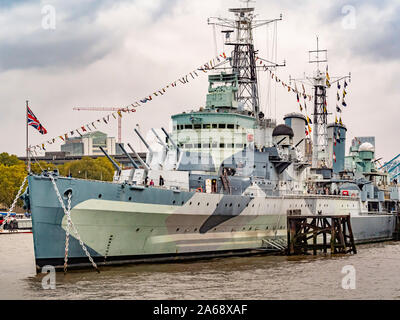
{"x":281,"y":141}
{"x":170,"y":140}
{"x":129,"y":156}
{"x":159,"y":139}
{"x":144,"y":164}
{"x":298,"y":143}
{"x":144,"y":141}
{"x":116,"y":166}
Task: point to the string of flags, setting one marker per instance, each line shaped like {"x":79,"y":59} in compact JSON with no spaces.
{"x":299,"y":94}
{"x":285,"y":85}
{"x":204,"y":68}
{"x":340,"y":97}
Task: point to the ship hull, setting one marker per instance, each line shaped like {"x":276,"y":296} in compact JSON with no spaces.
{"x":373,"y":227}
{"x":120,"y":224}
{"x":126,"y":225}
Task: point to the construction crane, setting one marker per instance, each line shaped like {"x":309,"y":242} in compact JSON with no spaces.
{"x":106,"y":109}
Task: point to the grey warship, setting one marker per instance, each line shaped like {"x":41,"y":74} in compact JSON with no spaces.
{"x":225,"y":178}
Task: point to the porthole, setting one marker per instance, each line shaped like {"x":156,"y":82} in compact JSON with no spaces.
{"x":99,"y":195}
{"x":190,"y":203}
{"x":238,"y":205}
{"x":207,"y":204}
{"x":177,"y":229}
{"x":250,"y":228}
{"x":230,"y":205}
{"x":183,"y":202}
{"x":195,"y":229}
{"x":173,"y":202}
{"x":253,"y":205}
{"x":226,"y":204}
{"x":130,"y":198}
{"x":137,"y":230}
{"x":198,"y":203}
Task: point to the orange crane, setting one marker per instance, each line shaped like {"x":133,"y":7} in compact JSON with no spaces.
{"x":106,"y":109}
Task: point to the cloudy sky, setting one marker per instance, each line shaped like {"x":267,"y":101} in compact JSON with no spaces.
{"x":110,"y":53}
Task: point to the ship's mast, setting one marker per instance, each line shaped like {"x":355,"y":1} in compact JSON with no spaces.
{"x":320,"y":136}
{"x":243,"y":59}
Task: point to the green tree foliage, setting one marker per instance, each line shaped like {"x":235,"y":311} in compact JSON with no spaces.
{"x":88,"y":168}
{"x":9,"y":160}
{"x":38,"y":167}
{"x":12,"y":173}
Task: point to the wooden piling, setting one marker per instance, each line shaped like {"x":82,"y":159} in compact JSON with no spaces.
{"x":337,"y":228}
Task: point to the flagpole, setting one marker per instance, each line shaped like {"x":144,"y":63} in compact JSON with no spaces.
{"x":27,"y":149}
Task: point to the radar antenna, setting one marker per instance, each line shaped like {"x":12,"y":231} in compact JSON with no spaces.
{"x":243,"y":57}
{"x":320,"y":81}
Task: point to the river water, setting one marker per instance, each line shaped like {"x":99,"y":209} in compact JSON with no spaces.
{"x":376,"y":276}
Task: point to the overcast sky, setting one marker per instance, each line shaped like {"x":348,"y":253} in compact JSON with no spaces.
{"x":110,"y":53}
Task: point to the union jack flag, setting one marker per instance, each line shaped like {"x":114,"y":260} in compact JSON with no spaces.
{"x":34,"y":122}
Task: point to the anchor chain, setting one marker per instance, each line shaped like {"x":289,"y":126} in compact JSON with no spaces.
{"x":69,"y":220}
{"x":67,"y":234}
{"x":14,"y":203}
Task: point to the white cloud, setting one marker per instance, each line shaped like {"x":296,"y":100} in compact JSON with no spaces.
{"x":118,"y":52}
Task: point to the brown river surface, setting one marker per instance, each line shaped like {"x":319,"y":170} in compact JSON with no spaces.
{"x":376,"y":266}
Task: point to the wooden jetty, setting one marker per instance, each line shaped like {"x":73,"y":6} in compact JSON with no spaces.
{"x":303,"y":232}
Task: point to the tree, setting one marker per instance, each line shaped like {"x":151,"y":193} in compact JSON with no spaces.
{"x":11,"y":178}
{"x":88,"y":168}
{"x":9,"y":160}
{"x":12,"y":173}
{"x":38,"y":167}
